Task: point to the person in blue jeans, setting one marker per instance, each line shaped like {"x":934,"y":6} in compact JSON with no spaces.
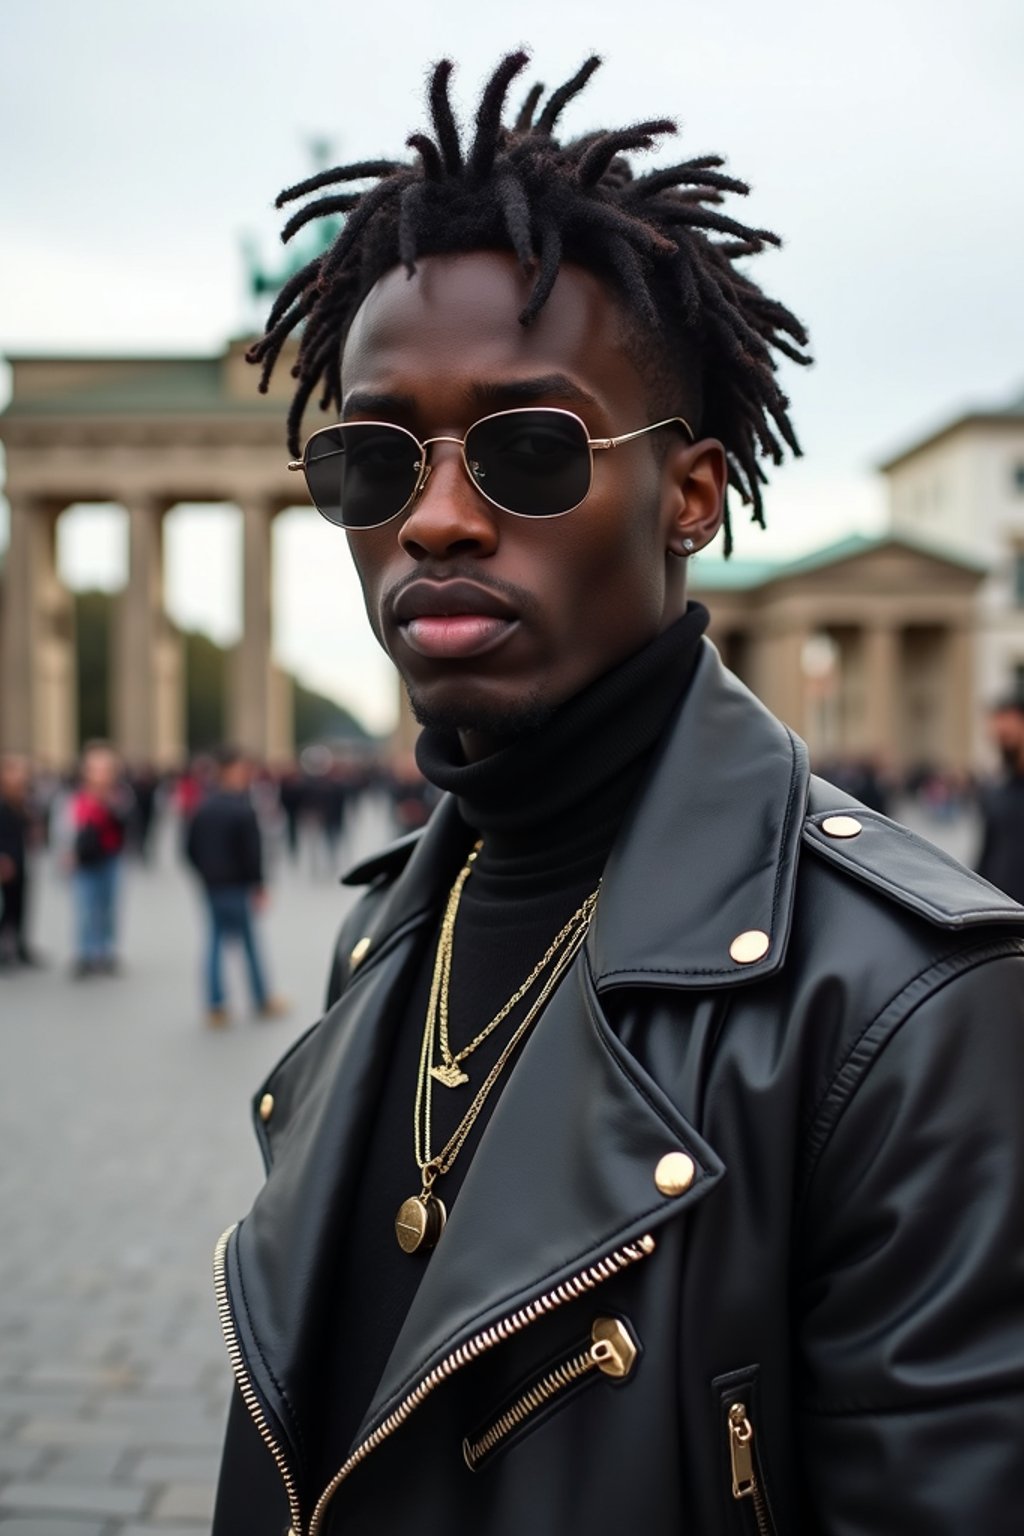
{"x":225,"y":848}
{"x":99,"y":813}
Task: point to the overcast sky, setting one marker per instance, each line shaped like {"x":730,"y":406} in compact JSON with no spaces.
{"x":884,"y":140}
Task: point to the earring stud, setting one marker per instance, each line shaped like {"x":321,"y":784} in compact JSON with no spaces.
{"x":689,"y":546}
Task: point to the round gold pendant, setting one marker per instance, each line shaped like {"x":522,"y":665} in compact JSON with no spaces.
{"x":420,"y":1222}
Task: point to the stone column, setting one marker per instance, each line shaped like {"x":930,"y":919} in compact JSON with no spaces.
{"x":148,"y":705}
{"x":883,"y":735}
{"x":779,"y":677}
{"x":38,"y":712}
{"x":258,"y":716}
{"x":958,"y":696}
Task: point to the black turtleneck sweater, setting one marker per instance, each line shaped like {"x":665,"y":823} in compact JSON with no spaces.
{"x":548,"y":808}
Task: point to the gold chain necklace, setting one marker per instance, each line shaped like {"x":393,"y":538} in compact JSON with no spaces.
{"x":449,"y":1071}
{"x":421,"y":1219}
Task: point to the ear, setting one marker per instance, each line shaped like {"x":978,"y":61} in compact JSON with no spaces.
{"x":694,"y":478}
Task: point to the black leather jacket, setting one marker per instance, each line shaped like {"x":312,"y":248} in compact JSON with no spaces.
{"x":821,"y":1330}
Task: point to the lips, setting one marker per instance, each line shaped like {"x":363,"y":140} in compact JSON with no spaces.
{"x":449,"y":599}
{"x":450,"y":620}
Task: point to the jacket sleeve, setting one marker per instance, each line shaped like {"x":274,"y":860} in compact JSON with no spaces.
{"x":911,"y":1330}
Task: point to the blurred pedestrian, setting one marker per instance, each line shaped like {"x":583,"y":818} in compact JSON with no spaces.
{"x":1001,"y":859}
{"x":225,"y":848}
{"x":145,"y":783}
{"x":15,"y":832}
{"x":99,"y":813}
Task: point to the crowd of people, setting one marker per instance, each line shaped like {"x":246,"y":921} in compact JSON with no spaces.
{"x":233,"y":819}
{"x":234,"y":816}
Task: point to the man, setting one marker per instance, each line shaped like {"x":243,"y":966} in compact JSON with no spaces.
{"x":1001,"y":859}
{"x":99,"y":812}
{"x":15,"y":832}
{"x":657,"y":1164}
{"x":225,"y":849}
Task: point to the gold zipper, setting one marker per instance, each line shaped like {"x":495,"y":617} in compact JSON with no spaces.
{"x":245,"y":1386}
{"x":479,"y":1344}
{"x":506,"y":1328}
{"x":612,"y":1351}
{"x":745,"y":1482}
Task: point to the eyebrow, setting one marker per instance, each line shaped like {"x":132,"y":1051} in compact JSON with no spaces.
{"x":494,"y":395}
{"x":508,"y":392}
{"x":365,"y":402}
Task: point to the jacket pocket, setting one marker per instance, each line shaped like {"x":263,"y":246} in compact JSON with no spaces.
{"x":609,"y":1354}
{"x":748,"y":1511}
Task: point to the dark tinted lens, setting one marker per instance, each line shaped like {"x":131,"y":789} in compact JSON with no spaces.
{"x":536,"y":463}
{"x":362,"y":474}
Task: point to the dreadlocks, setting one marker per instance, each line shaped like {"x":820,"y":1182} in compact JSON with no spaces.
{"x":659,"y":238}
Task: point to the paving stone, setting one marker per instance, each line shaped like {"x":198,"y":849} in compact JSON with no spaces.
{"x":61,"y":1433}
{"x":17,"y":1460}
{"x":185,"y":1501}
{"x":74,"y":1498}
{"x":23,"y":1404}
{"x":90,"y":1376}
{"x":43,"y":1525}
{"x":147,"y":1528}
{"x":162,"y":1467}
{"x":93,"y":1463}
{"x":75,"y":1432}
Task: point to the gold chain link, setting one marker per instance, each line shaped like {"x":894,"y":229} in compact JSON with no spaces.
{"x":559,"y":956}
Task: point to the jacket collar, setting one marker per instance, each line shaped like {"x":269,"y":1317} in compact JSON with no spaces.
{"x":708,"y":852}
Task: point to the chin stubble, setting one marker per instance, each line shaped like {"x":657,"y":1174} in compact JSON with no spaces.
{"x":504,"y":723}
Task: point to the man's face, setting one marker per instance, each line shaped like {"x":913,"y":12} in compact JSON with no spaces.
{"x":564,"y":598}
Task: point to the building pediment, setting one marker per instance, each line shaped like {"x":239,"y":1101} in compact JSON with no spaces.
{"x":890,"y":565}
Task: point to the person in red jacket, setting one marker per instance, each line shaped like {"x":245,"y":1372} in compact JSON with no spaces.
{"x":99,"y":814}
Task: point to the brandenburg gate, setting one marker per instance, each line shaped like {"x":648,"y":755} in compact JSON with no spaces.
{"x":896,"y":616}
{"x":146,"y":434}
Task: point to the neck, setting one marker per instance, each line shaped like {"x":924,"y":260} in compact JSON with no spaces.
{"x":582,"y":766}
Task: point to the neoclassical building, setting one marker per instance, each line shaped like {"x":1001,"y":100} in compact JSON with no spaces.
{"x":867,"y":648}
{"x":962,"y":486}
{"x":146,"y":434}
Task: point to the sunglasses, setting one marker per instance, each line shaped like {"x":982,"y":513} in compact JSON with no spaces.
{"x":533,"y":463}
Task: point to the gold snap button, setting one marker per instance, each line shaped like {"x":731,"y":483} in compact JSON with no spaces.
{"x":359,"y":952}
{"x":748,"y":947}
{"x":675,"y":1173}
{"x":841,"y":826}
{"x":266,"y":1107}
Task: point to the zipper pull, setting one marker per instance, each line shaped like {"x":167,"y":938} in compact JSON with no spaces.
{"x":741,"y":1452}
{"x":613,"y":1349}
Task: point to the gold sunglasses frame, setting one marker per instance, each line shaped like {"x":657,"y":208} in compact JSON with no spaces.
{"x":424,"y":467}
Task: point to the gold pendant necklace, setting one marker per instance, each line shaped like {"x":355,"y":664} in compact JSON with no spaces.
{"x":421,"y":1218}
{"x":449,"y":1073}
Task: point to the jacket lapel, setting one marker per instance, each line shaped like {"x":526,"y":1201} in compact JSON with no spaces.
{"x":709,"y":850}
{"x":563,"y":1176}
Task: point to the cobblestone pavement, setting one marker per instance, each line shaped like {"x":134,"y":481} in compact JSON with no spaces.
{"x":125,"y":1149}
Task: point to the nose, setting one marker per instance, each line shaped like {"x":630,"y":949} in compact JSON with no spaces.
{"x":449,"y":516}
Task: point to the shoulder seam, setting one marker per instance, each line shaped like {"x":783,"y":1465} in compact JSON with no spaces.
{"x":863,"y":1051}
